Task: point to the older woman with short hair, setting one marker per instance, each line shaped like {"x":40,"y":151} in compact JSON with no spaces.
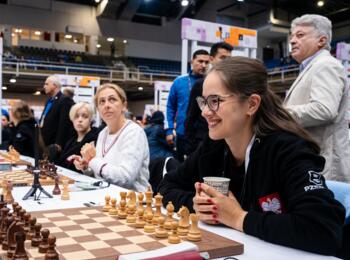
{"x":121,"y":155}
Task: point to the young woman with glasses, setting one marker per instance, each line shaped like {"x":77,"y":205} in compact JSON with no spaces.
{"x":276,"y":191}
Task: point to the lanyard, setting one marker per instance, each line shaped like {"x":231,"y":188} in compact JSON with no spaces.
{"x":189,"y":83}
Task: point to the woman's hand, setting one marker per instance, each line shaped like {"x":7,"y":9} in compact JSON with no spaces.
{"x":79,"y":162}
{"x":203,"y":205}
{"x":213,"y":207}
{"x":88,"y":151}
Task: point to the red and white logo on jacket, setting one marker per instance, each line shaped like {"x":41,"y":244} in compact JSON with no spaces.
{"x":271,"y":202}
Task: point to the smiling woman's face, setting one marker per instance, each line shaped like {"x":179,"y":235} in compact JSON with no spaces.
{"x":231,"y":114}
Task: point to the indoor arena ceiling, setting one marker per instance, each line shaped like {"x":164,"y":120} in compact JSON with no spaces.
{"x":153,"y":11}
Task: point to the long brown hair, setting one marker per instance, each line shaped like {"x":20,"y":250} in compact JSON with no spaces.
{"x":21,"y":111}
{"x":244,"y":77}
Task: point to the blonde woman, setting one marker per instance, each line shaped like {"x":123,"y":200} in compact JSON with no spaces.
{"x":121,"y":155}
{"x":81,"y":116}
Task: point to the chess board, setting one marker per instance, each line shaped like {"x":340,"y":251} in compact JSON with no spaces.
{"x":24,"y":178}
{"x":89,"y":233}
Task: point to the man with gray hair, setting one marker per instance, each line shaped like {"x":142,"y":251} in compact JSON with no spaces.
{"x":56,"y":127}
{"x":318,"y":99}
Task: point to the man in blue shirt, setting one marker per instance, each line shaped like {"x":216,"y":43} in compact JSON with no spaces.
{"x":178,"y":101}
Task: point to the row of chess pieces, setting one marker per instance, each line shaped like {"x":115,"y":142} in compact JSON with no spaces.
{"x":153,"y":222}
{"x":46,"y":168}
{"x":17,"y":226}
{"x":7,"y":187}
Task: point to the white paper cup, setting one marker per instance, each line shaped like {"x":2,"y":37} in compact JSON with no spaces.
{"x":219,"y":183}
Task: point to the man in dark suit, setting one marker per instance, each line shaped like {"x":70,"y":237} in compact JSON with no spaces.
{"x":56,"y":127}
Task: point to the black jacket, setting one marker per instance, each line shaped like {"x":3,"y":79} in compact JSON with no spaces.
{"x":74,"y":147}
{"x":6,"y":138}
{"x":281,"y":166}
{"x":196,"y":127}
{"x":23,"y":137}
{"x":57,"y":127}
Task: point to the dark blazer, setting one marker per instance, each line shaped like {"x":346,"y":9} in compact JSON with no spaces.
{"x":57,"y":127}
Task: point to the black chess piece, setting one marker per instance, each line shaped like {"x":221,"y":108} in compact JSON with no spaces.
{"x":56,"y":189}
{"x":20,"y":251}
{"x":51,"y":253}
{"x":2,"y":202}
{"x":12,"y":230}
{"x":44,"y":245}
{"x":36,"y":239}
{"x":31,"y":232}
{"x":4,"y":214}
{"x":8,"y":222}
{"x":26,"y":220}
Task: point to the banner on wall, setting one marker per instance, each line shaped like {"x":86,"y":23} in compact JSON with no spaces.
{"x":343,"y":51}
{"x":84,"y":89}
{"x":161,"y":93}
{"x":84,"y":86}
{"x":197,"y":30}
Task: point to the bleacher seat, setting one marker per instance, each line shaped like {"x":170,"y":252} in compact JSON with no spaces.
{"x":156,"y":65}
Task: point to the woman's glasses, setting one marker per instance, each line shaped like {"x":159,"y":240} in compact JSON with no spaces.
{"x":213,"y":101}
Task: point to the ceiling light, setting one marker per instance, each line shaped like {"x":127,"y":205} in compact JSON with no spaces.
{"x":4,"y":88}
{"x":98,"y":45}
{"x":110,"y":39}
{"x":140,"y":88}
{"x":37,"y":33}
{"x":184,"y":2}
{"x":240,"y":0}
{"x":75,"y":40}
{"x":13,"y":80}
{"x":125,"y":41}
{"x":68,"y":36}
{"x":36,"y":93}
{"x":97,"y":1}
{"x":320,"y":3}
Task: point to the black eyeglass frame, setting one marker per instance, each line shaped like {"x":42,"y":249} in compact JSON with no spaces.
{"x":202,"y":101}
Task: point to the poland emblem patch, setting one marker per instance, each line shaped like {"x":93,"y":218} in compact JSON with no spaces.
{"x":272,"y":203}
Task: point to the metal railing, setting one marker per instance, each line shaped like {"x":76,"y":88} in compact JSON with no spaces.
{"x":282,"y":74}
{"x":39,"y":68}
{"x":44,"y":68}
